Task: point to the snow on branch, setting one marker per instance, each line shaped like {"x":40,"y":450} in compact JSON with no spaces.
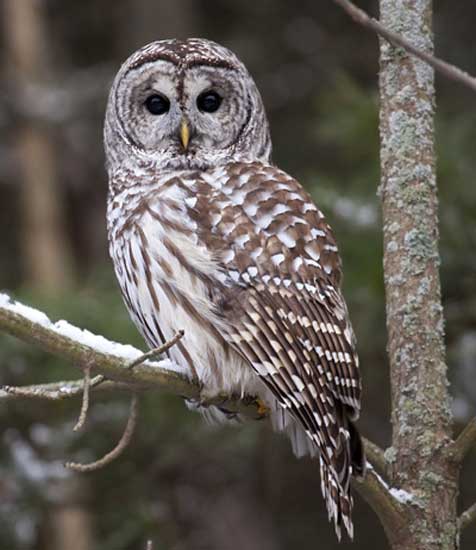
{"x":122,"y":367}
{"x":118,"y":366}
{"x":82,"y":347}
{"x":388,"y":504}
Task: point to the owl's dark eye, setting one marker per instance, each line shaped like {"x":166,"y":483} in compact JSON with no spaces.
{"x":209,"y":102}
{"x":157,"y":104}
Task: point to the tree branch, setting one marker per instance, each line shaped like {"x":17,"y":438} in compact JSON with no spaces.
{"x":376,"y":455}
{"x":467,"y":517}
{"x":55,"y":391}
{"x":81,"y":347}
{"x":389,"y":509}
{"x":85,"y":401}
{"x":447,"y":69}
{"x":123,"y":365}
{"x":118,"y":449}
{"x":465,"y":441}
{"x":130,"y":369}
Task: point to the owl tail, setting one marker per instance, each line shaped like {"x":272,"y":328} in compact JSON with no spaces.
{"x":336,"y":473}
{"x":339,"y":501}
{"x":337,"y":469}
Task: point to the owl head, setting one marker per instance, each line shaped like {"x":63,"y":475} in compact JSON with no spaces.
{"x":184,"y":104}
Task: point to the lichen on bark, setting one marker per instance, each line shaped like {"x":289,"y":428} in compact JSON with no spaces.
{"x":421,"y":415}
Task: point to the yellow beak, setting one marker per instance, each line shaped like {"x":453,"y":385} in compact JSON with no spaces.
{"x":184,"y":133}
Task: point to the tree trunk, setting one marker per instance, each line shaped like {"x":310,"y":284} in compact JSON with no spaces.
{"x":421,"y":416}
{"x":70,"y":522}
{"x":46,"y":257}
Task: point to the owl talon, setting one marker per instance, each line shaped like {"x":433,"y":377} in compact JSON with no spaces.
{"x":206,"y":398}
{"x":263,"y":410}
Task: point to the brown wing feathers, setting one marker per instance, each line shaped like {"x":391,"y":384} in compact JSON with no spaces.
{"x":290,"y":320}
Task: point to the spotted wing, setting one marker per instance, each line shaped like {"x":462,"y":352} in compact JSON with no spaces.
{"x":285,"y":313}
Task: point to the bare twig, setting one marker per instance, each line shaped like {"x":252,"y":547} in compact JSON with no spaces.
{"x":446,"y":69}
{"x":153,"y":353}
{"x":465,"y":441}
{"x":85,"y":402}
{"x":467,"y":517}
{"x":56,"y":391}
{"x":118,"y":449}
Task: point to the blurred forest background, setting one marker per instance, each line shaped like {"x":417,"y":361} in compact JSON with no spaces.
{"x":183,"y":484}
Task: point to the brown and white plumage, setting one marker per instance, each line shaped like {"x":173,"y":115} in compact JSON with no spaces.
{"x":211,"y":238}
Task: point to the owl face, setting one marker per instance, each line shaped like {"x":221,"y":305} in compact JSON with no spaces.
{"x":185,"y":105}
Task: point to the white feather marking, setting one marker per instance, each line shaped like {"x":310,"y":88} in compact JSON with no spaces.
{"x":312,"y":263}
{"x":251,"y":209}
{"x":256,"y":252}
{"x":298,"y":382}
{"x":317,"y":233}
{"x":308,"y":206}
{"x":286,"y":239}
{"x":312,"y":252}
{"x":242,"y":239}
{"x":191,"y":201}
{"x":228,"y":256}
{"x":253,"y":271}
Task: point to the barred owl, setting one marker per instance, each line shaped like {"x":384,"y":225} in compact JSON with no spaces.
{"x":209,"y":236}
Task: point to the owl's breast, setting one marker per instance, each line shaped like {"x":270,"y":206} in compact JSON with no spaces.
{"x":168,"y":278}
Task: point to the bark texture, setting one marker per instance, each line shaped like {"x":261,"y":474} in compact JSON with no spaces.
{"x":421,"y":417}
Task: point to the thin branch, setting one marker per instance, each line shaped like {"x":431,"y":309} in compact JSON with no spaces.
{"x":376,"y":455}
{"x":447,"y":69}
{"x":118,"y":449}
{"x":153,"y":353}
{"x":465,"y":441}
{"x":376,"y":492}
{"x":85,"y":402}
{"x":55,"y":391}
{"x":467,"y":517}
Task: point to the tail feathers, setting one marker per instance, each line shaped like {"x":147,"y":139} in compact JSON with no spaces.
{"x":347,"y":459}
{"x":339,"y":502}
{"x":338,"y":463}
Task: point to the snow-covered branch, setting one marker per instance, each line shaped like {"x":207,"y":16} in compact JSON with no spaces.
{"x":119,"y":367}
{"x":122,"y":365}
{"x":81,"y":347}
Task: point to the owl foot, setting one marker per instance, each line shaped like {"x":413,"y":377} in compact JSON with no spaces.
{"x":263,"y":409}
{"x":208,"y":398}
